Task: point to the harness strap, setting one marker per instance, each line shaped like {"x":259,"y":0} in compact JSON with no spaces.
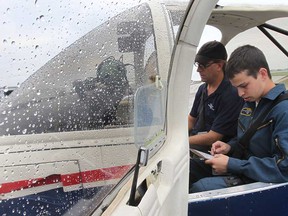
{"x":245,"y":139}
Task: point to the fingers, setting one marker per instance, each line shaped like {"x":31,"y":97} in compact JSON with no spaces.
{"x":209,"y":162}
{"x":220,"y":147}
{"x":216,"y":146}
{"x":212,"y":160}
{"x":216,"y":150}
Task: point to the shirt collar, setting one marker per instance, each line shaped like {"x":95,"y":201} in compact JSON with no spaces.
{"x":222,"y":85}
{"x":274,"y":92}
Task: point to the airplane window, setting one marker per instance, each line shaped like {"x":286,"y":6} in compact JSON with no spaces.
{"x":87,"y":86}
{"x":277,"y":60}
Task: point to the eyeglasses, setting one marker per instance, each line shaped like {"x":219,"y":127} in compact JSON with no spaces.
{"x":202,"y":66}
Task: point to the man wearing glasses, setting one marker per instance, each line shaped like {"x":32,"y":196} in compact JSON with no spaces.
{"x":216,"y":107}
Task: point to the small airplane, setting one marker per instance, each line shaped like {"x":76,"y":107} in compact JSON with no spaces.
{"x":101,"y":128}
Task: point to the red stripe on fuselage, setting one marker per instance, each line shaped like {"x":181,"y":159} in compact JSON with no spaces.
{"x":67,"y":179}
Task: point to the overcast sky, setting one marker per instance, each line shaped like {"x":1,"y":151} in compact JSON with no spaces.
{"x":34,"y":31}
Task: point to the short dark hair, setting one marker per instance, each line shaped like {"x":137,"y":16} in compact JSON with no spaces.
{"x":246,"y":58}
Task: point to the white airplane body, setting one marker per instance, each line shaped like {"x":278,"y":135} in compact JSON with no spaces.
{"x":69,"y":145}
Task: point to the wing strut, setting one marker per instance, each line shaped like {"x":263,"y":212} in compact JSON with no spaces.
{"x":274,"y":28}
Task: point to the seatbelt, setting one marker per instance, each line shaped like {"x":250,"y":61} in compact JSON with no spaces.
{"x":245,"y":139}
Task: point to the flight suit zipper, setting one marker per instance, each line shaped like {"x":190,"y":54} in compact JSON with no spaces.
{"x":265,"y":124}
{"x":282,"y":156}
{"x":241,"y":126}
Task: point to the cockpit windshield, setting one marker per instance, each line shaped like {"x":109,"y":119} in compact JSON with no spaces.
{"x":83,"y":86}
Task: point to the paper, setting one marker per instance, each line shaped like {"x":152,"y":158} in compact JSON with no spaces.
{"x":201,"y":154}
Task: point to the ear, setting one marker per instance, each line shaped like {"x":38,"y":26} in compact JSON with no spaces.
{"x":263,"y":73}
{"x":220,"y":65}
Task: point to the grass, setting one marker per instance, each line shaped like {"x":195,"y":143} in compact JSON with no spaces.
{"x":279,"y":73}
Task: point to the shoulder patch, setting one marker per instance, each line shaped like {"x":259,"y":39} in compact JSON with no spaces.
{"x":246,"y":111}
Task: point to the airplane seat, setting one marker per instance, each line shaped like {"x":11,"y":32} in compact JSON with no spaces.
{"x":151,"y":67}
{"x":125,"y":111}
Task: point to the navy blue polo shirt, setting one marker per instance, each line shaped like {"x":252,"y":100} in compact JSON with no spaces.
{"x":221,"y":109}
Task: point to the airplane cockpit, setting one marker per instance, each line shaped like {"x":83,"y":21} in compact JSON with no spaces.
{"x":97,"y":123}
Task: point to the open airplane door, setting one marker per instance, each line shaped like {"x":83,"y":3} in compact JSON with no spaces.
{"x":162,"y":185}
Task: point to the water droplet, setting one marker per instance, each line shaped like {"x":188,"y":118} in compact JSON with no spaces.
{"x":6,"y":151}
{"x":5,"y":89}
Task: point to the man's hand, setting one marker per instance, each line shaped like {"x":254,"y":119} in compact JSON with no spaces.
{"x":219,"y":147}
{"x":218,"y":163}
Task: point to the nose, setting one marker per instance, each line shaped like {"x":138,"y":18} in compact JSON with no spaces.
{"x":199,"y":69}
{"x":240,"y":92}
